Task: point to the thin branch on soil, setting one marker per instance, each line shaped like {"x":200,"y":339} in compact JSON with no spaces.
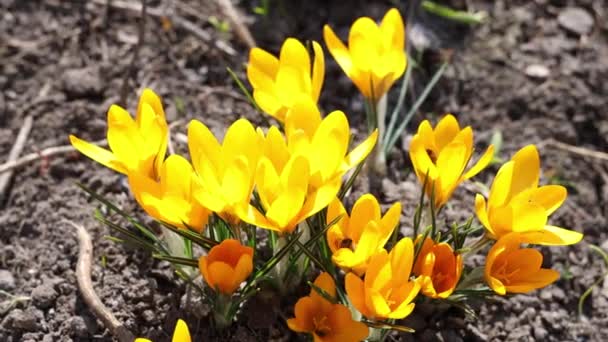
{"x":574,"y":149}
{"x":124,"y":91}
{"x":169,"y":141}
{"x":24,"y":132}
{"x":179,"y":21}
{"x":241,"y":30}
{"x":47,"y":152}
{"x":83,"y":275}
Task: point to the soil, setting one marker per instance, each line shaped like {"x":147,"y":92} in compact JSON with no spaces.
{"x":534,"y":71}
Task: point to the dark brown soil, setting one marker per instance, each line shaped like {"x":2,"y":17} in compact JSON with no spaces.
{"x":64,"y":63}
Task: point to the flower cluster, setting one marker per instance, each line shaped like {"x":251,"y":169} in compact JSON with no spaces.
{"x":291,"y":179}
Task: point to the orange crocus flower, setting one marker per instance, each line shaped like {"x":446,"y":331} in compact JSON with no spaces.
{"x":510,"y":268}
{"x":439,"y":268}
{"x":226,"y":266}
{"x":326,"y":321}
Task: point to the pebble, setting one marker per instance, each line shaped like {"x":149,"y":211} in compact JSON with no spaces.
{"x":44,"y":295}
{"x":150,"y":317}
{"x":575,"y":20}
{"x":82,"y":82}
{"x":537,"y":71}
{"x":540,"y":333}
{"x":7,"y":281}
{"x":77,"y":327}
{"x":25,"y":320}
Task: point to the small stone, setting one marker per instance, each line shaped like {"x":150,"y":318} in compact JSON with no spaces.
{"x":575,"y":20}
{"x":540,"y":333}
{"x":77,"y":327}
{"x":83,"y":82}
{"x":150,"y":317}
{"x":7,"y":281}
{"x":25,"y":320}
{"x":538,"y":71}
{"x":44,"y":295}
{"x":558,"y":293}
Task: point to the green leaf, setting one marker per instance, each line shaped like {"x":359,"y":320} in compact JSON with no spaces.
{"x":588,"y":292}
{"x":323,"y":293}
{"x":191,"y":235}
{"x":141,"y":227}
{"x":177,"y":260}
{"x":390,"y":142}
{"x":454,"y":15}
{"x":388,"y":326}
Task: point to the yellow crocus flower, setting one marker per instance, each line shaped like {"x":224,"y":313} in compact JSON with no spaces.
{"x":386,"y":291}
{"x":324,"y":142}
{"x":354,"y":239}
{"x":439,"y":268}
{"x":226,"y":172}
{"x":324,"y":320}
{"x":441,"y":156}
{"x":278,"y":83}
{"x":511,"y":269}
{"x":135,"y":145}
{"x":181,"y":333}
{"x":171,"y":198}
{"x":375,"y":57}
{"x":299,"y":175}
{"x":226,"y":266}
{"x":517,"y":204}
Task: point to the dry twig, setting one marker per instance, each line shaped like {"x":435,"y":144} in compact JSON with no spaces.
{"x":47,"y":152}
{"x":241,"y":30}
{"x":24,"y":132}
{"x":83,"y":275}
{"x":179,"y":21}
{"x":574,"y":149}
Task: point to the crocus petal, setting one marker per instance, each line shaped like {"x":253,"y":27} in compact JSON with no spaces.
{"x":549,"y":197}
{"x":269,"y":103}
{"x":262,"y":68}
{"x":482,"y":214}
{"x":481,"y":164}
{"x":318,"y":70}
{"x":446,"y":130}
{"x":365,"y":209}
{"x":496,"y":285}
{"x":423,"y":165}
{"x":303,"y":115}
{"x":204,"y":148}
{"x":402,"y":257}
{"x":402,"y":311}
{"x":346,"y":329}
{"x":305,"y":310}
{"x":98,"y":154}
{"x":181,"y":333}
{"x":526,"y":170}
{"x":392,"y":28}
{"x":389,"y":221}
{"x":553,"y":236}
{"x":242,"y":270}
{"x":320,"y":198}
{"x":360,"y":152}
{"x":377,"y":303}
{"x":148,"y":96}
{"x":501,"y":186}
{"x":289,"y":203}
{"x":355,"y":290}
{"x":125,"y":141}
{"x":541,"y":278}
{"x":338,"y":50}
